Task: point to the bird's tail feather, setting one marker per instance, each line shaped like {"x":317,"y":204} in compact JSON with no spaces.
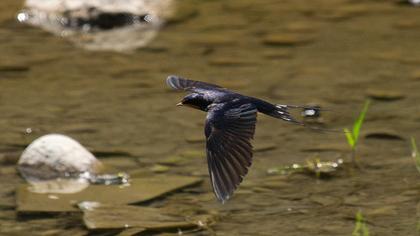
{"x":283,"y":112}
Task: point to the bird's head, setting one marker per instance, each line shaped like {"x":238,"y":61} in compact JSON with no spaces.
{"x":196,"y":101}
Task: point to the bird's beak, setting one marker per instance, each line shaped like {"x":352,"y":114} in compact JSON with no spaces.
{"x":179,"y":104}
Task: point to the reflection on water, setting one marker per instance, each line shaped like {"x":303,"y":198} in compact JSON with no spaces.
{"x":118,"y":25}
{"x":63,"y":186}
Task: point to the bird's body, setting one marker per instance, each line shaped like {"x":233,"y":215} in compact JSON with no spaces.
{"x":206,"y":98}
{"x":229,"y":129}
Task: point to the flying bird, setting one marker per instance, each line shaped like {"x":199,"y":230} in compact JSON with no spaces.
{"x":229,"y":129}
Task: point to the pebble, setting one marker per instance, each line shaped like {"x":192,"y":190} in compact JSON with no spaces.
{"x":14,"y":68}
{"x":385,"y":95}
{"x":383,"y":134}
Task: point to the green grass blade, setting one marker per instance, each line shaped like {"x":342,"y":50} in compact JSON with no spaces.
{"x":415,"y":153}
{"x":349,"y":136}
{"x":358,"y":124}
{"x":358,"y":226}
{"x":360,"y":229}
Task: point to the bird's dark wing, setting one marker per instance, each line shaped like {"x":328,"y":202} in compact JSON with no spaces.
{"x":229,"y":130}
{"x":176,"y":82}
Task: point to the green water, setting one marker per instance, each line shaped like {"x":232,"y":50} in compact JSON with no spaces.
{"x":338,"y":53}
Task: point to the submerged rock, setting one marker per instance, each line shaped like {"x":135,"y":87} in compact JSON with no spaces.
{"x":96,"y":217}
{"x":383,"y":134}
{"x":385,"y":95}
{"x":135,"y":191}
{"x":14,"y":68}
{"x":286,"y":40}
{"x":99,"y":24}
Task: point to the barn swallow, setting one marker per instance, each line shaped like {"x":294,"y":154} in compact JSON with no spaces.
{"x":229,"y":129}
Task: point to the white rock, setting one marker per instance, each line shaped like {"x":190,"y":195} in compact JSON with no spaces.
{"x":55,"y":156}
{"x":52,"y":15}
{"x":415,"y":2}
{"x":155,"y":7}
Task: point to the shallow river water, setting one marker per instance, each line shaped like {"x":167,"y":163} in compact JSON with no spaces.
{"x":335,"y":53}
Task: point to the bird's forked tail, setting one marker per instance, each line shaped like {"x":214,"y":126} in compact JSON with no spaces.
{"x":282,"y":112}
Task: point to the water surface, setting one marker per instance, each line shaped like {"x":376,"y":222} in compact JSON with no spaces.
{"x":333,"y":53}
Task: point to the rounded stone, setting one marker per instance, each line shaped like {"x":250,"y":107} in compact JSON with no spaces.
{"x":56,"y":156}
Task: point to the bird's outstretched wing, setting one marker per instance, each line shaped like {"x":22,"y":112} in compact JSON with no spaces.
{"x":229,"y":130}
{"x":176,"y":82}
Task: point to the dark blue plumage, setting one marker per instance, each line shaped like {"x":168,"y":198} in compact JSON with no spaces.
{"x":229,"y":129}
